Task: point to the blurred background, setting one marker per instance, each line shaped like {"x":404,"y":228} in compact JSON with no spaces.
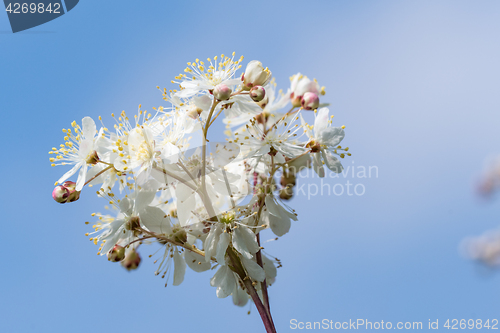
{"x":415,"y":82}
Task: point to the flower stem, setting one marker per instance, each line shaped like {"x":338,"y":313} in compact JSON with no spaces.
{"x":97,"y":175}
{"x":264,"y":314}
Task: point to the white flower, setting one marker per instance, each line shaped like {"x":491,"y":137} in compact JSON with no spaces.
{"x":323,"y":141}
{"x":133,"y":213}
{"x":204,"y":79}
{"x":302,"y":84}
{"x":225,"y":280}
{"x":278,"y":141}
{"x":80,"y":149}
{"x":226,"y":232}
{"x":255,"y":75}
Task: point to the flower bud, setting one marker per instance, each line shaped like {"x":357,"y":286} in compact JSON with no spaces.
{"x":60,"y":194}
{"x":286,"y":193}
{"x":255,"y":75}
{"x":257,"y":93}
{"x":66,"y":192}
{"x":73,"y":193}
{"x":132,"y":260}
{"x":222,"y":92}
{"x":264,"y":102}
{"x":117,"y":253}
{"x":288,"y":179}
{"x":310,"y":101}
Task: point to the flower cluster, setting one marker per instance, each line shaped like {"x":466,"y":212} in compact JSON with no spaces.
{"x":204,"y":205}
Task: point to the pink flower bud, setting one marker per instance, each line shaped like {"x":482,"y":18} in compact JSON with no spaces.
{"x":257,"y":93}
{"x":66,"y":192}
{"x":264,"y":102}
{"x":222,"y":92}
{"x":310,"y":101}
{"x":60,"y":194}
{"x":117,"y":253}
{"x":73,"y":193}
{"x":132,"y":260}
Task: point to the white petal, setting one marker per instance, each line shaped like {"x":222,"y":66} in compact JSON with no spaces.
{"x":186,"y":203}
{"x":245,"y":241}
{"x":318,"y":165}
{"x":144,"y":198}
{"x":179,"y":268}
{"x":278,"y":158}
{"x":222,"y":247}
{"x":331,"y":161}
{"x":82,"y":175}
{"x":269,"y":268}
{"x":224,"y":280}
{"x":330,"y":136}
{"x":210,"y":243}
{"x":154,"y":220}
{"x":253,"y":269}
{"x":70,"y":172}
{"x":126,"y":206}
{"x":321,"y":121}
{"x":88,"y":127}
{"x":276,"y":209}
{"x":196,"y":262}
{"x":203,"y":102}
{"x":279,"y":225}
{"x":240,"y":297}
{"x":169,"y":153}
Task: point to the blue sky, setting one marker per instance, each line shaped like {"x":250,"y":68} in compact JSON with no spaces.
{"x":416,"y":84}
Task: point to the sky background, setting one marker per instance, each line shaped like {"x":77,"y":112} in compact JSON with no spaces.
{"x":415,"y":82}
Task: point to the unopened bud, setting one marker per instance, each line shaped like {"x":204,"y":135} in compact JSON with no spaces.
{"x":60,"y":194}
{"x":117,"y":253}
{"x":73,"y":193}
{"x":310,"y":101}
{"x":255,"y":75}
{"x":287,"y":179}
{"x":264,"y":102}
{"x":286,"y":193}
{"x":257,"y":93}
{"x":132,"y":260}
{"x":222,"y":92}
{"x":66,"y":192}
